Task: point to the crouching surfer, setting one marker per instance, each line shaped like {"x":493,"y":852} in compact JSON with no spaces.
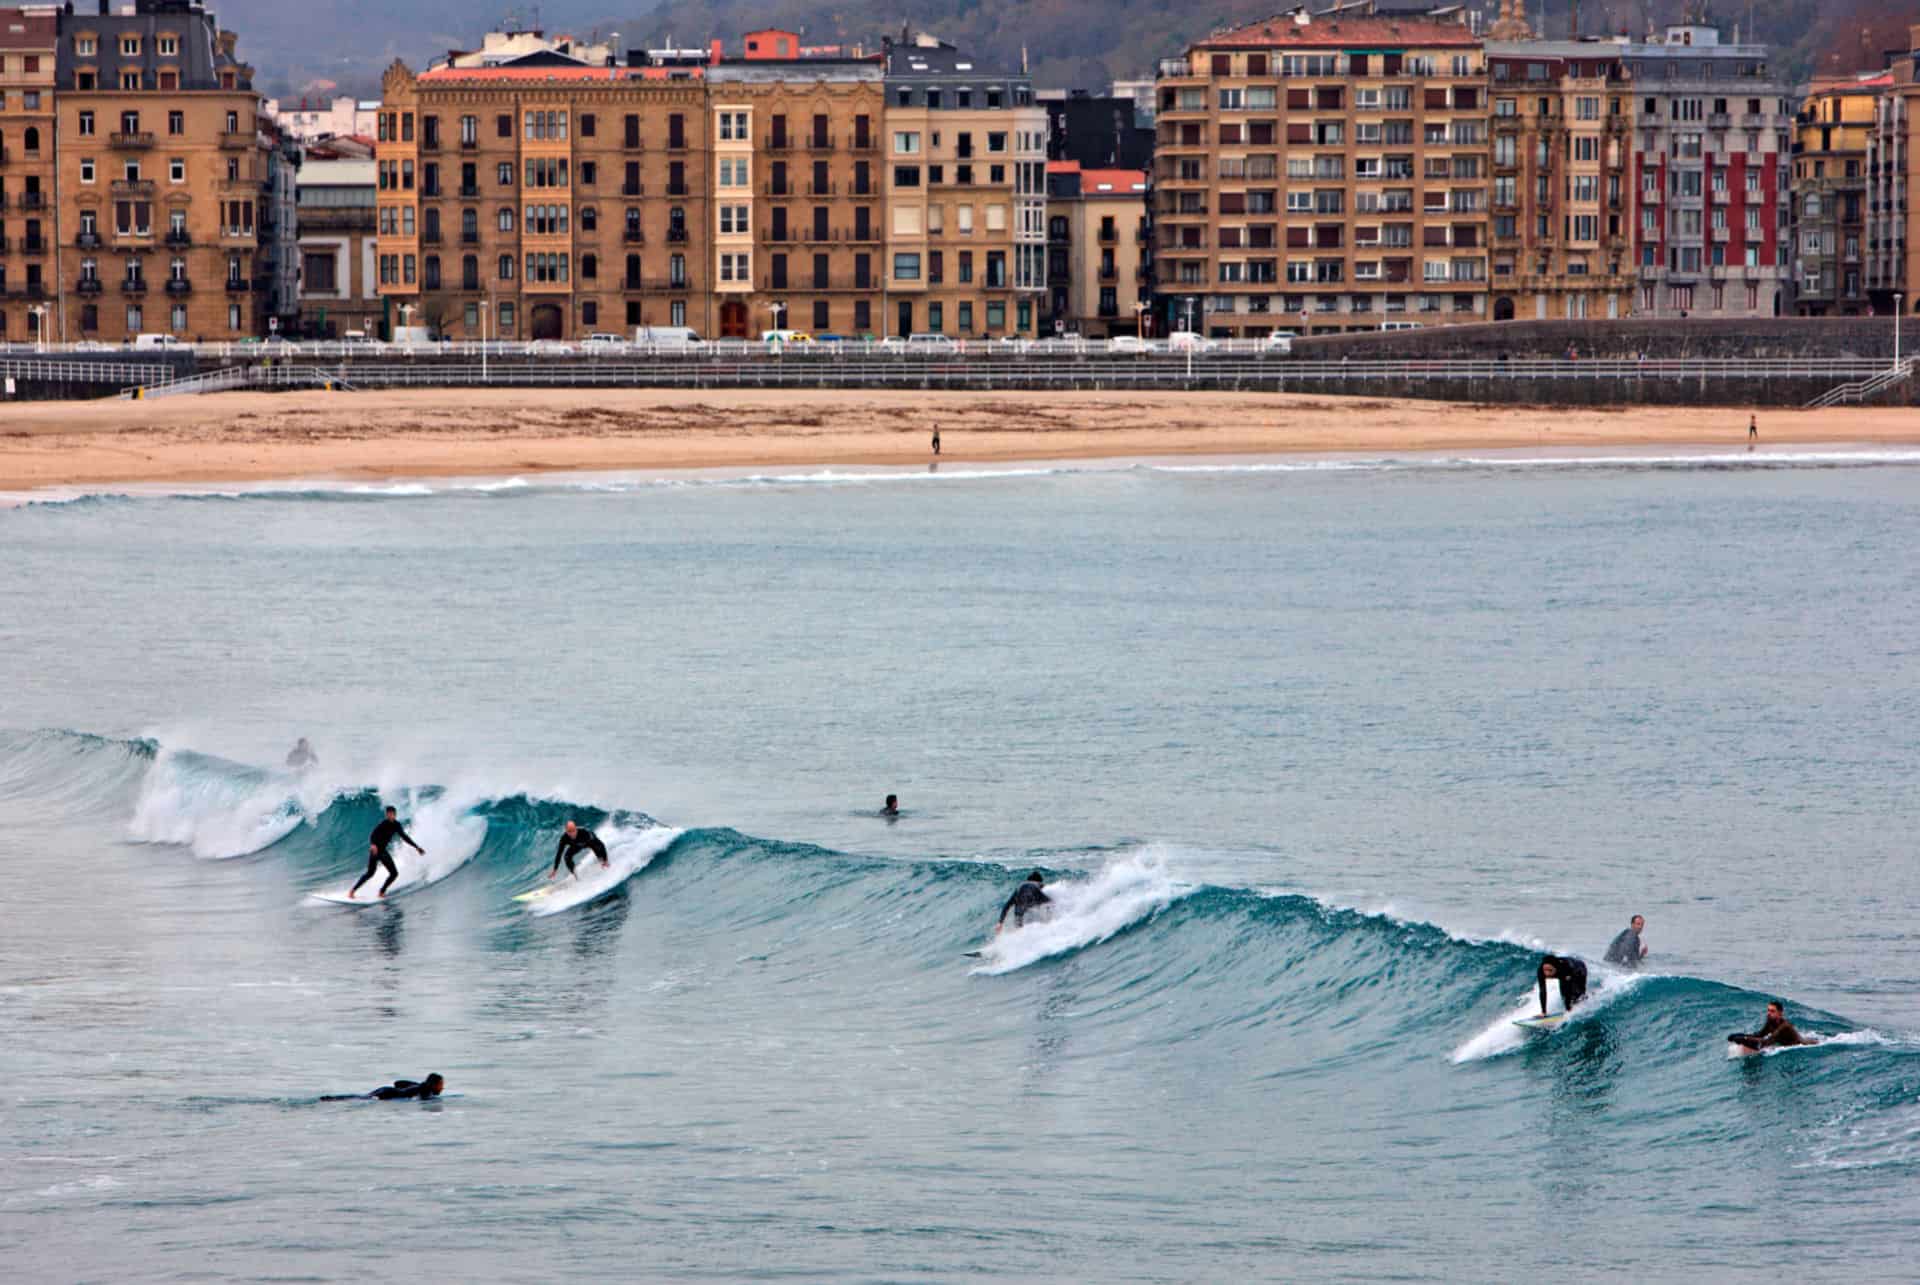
{"x":1569,"y":973}
{"x":1029,"y":901}
{"x":576,"y":838}
{"x":400,"y":1090}
{"x":1775,"y":1032}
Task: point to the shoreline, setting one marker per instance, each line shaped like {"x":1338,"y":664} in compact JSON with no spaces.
{"x":432,"y":433}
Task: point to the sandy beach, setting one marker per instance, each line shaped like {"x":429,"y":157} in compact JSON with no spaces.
{"x":415,"y":433}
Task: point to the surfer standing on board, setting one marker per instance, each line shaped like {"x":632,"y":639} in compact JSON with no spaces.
{"x":1025,"y":903}
{"x":377,"y":844}
{"x":1571,"y":973}
{"x":573,"y":841}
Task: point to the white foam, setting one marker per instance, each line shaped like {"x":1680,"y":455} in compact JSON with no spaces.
{"x":190,"y":801}
{"x":1127,"y":890}
{"x":629,"y":851}
{"x":1501,"y":1036}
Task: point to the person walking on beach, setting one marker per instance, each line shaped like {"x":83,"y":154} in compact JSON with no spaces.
{"x":936,"y":440}
{"x":377,"y":844}
{"x":1753,"y":428}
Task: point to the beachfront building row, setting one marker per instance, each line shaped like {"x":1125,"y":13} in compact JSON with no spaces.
{"x":1856,"y":228}
{"x":830,"y":190}
{"x":1346,"y":170}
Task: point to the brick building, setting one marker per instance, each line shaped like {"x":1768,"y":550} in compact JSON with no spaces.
{"x":163,"y":173}
{"x":1323,"y":173}
{"x":28,"y":259}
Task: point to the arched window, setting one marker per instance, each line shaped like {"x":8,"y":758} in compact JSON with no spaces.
{"x":589,"y":267}
{"x":31,"y":139}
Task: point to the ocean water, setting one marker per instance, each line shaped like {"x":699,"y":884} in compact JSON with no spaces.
{"x":1318,"y":755}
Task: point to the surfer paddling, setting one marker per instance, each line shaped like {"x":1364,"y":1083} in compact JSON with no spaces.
{"x":1570,"y":973}
{"x":1025,"y":903}
{"x":399,"y":1091}
{"x":1775,"y":1032}
{"x":377,"y":844}
{"x":573,"y":840}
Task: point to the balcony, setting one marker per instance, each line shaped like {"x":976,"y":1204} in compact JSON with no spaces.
{"x":133,"y":187}
{"x":133,"y":285}
{"x":237,"y":140}
{"x":820,"y":143}
{"x":33,"y":200}
{"x":134,"y":142}
{"x":637,"y":236}
{"x":430,"y":143}
{"x":632,"y":143}
{"x":470,"y":193}
{"x":676,"y":234}
{"x":469,"y":144}
{"x":85,"y":241}
{"x":782,"y":143}
{"x":676,"y":189}
{"x":34,"y":290}
{"x":179,"y":239}
{"x":633,"y":189}
{"x":238,"y":285}
{"x":179,"y":286}
{"x":33,"y":245}
{"x":88,"y":286}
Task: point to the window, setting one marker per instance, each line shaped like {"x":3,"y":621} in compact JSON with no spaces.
{"x":86,"y":170}
{"x":503,"y":174}
{"x":734,"y":267}
{"x":503,"y":125}
{"x":733,"y":219}
{"x":906,"y":143}
{"x":506,"y":219}
{"x":85,"y":46}
{"x":177,"y":170}
{"x":906,"y":267}
{"x":469,"y":131}
{"x":733,"y":127}
{"x":906,"y":176}
{"x":167,"y":46}
{"x":85,"y":124}
{"x":129,"y":46}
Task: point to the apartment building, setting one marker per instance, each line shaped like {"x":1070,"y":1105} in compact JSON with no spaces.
{"x":339,"y":288}
{"x":1323,"y":173}
{"x":1099,"y":262}
{"x":1711,"y":160}
{"x":795,"y":231}
{"x":1832,"y":133}
{"x":966,"y":196}
{"x":28,"y":44}
{"x":543,"y":197}
{"x":162,"y":176}
{"x":1893,"y":214}
{"x":1563,"y":180}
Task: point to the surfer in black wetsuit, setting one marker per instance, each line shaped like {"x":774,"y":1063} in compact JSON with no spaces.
{"x":571,"y":842}
{"x":1626,"y":949}
{"x":1571,"y":973}
{"x":1025,"y":903}
{"x":377,"y":844}
{"x":891,"y":808}
{"x":1775,"y":1032}
{"x":400,"y":1090}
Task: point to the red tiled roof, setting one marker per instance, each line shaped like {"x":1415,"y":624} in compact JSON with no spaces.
{"x":569,"y":75}
{"x":1342,"y":33}
{"x":1113,"y":182}
{"x":1063,"y":167}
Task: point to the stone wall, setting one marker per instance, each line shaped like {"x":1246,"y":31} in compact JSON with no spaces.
{"x":1759,"y":338}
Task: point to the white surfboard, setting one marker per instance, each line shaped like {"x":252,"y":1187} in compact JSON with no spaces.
{"x":450,"y":840}
{"x":1550,"y":1022}
{"x":628,"y":853}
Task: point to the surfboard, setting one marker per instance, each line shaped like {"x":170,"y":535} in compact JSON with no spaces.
{"x":369,"y":895}
{"x":539,"y":894}
{"x":972,"y":954}
{"x":1550,"y":1022}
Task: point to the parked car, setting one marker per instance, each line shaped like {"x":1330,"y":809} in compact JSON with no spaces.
{"x":1128,"y":345}
{"x":1280,"y":342}
{"x":893,"y":344}
{"x":603,"y":343}
{"x":1190,"y":341}
{"x":931,"y":343}
{"x":550,"y":348}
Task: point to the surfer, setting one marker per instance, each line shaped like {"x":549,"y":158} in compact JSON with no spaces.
{"x":1571,"y":974}
{"x":891,"y":808}
{"x":1024,"y":903}
{"x":1775,"y":1032}
{"x":1626,"y":949}
{"x":400,"y":1090}
{"x":571,"y":842}
{"x":301,"y":756}
{"x":377,"y":844}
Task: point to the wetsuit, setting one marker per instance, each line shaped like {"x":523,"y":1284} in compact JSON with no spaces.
{"x":1773,"y":1033}
{"x":572,"y":843}
{"x":377,"y":844}
{"x":1026,"y":900}
{"x":1625,"y":950}
{"x":300,"y":756}
{"x":1571,"y":973}
{"x":399,"y":1089}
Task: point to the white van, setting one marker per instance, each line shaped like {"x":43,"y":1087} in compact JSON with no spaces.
{"x":1400,"y":325}
{"x":158,"y":341}
{"x":665,"y":336}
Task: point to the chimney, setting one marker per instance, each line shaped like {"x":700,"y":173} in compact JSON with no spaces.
{"x":103,"y":9}
{"x":717,"y":50}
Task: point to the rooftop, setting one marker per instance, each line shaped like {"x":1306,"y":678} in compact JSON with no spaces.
{"x":553,"y":75}
{"x":30,"y":31}
{"x":1302,"y":31}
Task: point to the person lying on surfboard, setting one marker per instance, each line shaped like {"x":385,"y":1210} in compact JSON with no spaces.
{"x":1775,"y":1032}
{"x":1570,"y":973}
{"x":1025,"y":903}
{"x":377,"y":844}
{"x":576,"y":838}
{"x":400,"y":1090}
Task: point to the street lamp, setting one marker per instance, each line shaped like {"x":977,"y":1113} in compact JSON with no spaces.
{"x":1139,"y":318}
{"x":39,"y":314}
{"x":1899,"y":300}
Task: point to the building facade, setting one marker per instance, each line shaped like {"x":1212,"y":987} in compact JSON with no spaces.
{"x":1563,"y":205}
{"x":164,"y":178}
{"x":794,"y":226}
{"x":542,"y":198}
{"x":343,"y":117}
{"x":1711,"y":164}
{"x":28,"y":256}
{"x":1323,"y":174}
{"x":966,"y":196}
{"x":1893,"y":207}
{"x":339,"y":286}
{"x":1832,"y":133}
{"x":1099,"y":262}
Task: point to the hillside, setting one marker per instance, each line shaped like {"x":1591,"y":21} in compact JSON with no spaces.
{"x":300,"y":47}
